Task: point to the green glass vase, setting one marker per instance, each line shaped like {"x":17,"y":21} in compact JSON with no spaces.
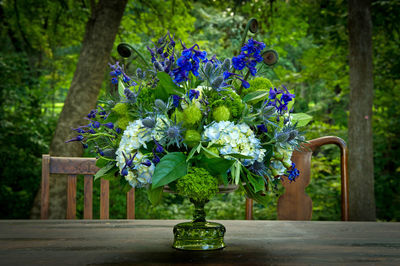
{"x":199,"y":234}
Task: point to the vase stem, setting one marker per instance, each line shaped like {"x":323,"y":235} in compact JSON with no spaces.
{"x":199,"y":215}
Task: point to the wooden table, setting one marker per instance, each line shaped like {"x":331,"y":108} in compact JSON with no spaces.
{"x":144,"y":242}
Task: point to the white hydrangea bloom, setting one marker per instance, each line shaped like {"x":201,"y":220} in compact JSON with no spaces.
{"x":238,"y":139}
{"x":135,"y":136}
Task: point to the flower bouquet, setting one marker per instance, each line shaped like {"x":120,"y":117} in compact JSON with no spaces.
{"x":194,"y":124}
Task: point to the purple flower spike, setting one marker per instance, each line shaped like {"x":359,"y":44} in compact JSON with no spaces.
{"x":146,"y":163}
{"x":159,"y":148}
{"x":109,"y":125}
{"x":77,"y":138}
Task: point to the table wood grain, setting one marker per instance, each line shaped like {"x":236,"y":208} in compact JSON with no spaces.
{"x":148,"y":242}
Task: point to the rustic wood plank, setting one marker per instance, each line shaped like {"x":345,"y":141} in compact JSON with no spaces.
{"x":148,"y":242}
{"x":130,"y":204}
{"x":71,"y":197}
{"x":104,"y":199}
{"x":44,"y":203}
{"x":88,"y":197}
{"x":73,"y":165}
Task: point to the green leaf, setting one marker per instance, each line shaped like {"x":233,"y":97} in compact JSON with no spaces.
{"x":191,"y":153}
{"x":171,"y":167}
{"x":101,"y":162}
{"x":256,"y":181}
{"x":210,"y":153}
{"x":262,"y":199}
{"x":236,"y":169}
{"x":256,"y":95}
{"x":121,"y":88}
{"x":107,"y":172}
{"x":302,"y":119}
{"x":155,"y":195}
{"x":166,"y":87}
{"x":217,"y":167}
{"x":238,"y":156}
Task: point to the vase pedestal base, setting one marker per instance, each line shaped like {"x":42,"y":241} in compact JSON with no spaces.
{"x":199,"y":236}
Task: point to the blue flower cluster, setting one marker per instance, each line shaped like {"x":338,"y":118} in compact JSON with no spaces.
{"x":189,"y":61}
{"x":116,"y":71}
{"x":163,"y":53}
{"x":293,"y":173}
{"x":249,"y":56}
{"x":282,"y":103}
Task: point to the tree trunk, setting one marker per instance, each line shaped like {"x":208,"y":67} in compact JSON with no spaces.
{"x":98,"y":41}
{"x":361,"y":165}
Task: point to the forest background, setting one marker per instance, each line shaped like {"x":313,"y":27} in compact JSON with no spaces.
{"x":40,"y":45}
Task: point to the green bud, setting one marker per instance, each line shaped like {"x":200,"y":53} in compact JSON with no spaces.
{"x":192,"y":137}
{"x":221,"y":113}
{"x":192,"y":115}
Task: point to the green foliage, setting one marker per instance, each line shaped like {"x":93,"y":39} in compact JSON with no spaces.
{"x":198,"y":185}
{"x":171,"y":167}
{"x":229,"y":99}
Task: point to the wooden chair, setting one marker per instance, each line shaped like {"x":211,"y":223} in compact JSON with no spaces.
{"x":79,"y":166}
{"x":295,"y":204}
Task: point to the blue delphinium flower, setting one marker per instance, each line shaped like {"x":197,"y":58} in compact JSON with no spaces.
{"x":189,"y":61}
{"x":293,"y":173}
{"x":228,"y":75}
{"x":77,"y":138}
{"x":249,"y":56}
{"x":193,"y":94}
{"x":175,"y":100}
{"x":163,"y":53}
{"x":280,"y":103}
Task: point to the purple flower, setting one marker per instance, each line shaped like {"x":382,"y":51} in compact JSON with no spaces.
{"x":77,"y":138}
{"x":146,"y":163}
{"x":109,"y":125}
{"x":159,"y":148}
{"x":118,"y":130}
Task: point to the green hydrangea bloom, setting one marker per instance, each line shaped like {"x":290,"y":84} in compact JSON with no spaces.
{"x":191,"y":115}
{"x":198,"y":185}
{"x":178,"y":115}
{"x":221,"y":113}
{"x":121,"y":109}
{"x":229,"y":99}
{"x":258,"y":84}
{"x":122,"y":122}
{"x":192,"y":137}
{"x":146,"y":98}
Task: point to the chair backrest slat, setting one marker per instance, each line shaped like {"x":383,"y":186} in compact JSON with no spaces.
{"x":71,"y":197}
{"x":88,"y":197}
{"x":72,"y":166}
{"x":104,"y":199}
{"x":130,"y":204}
{"x":44,"y":210}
